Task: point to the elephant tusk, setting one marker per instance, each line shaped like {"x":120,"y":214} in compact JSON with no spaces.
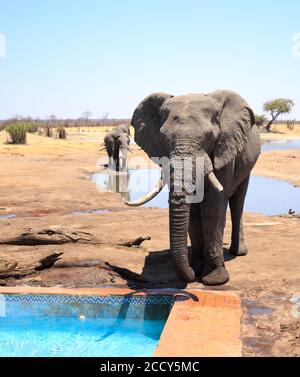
{"x":215,"y":182}
{"x":149,"y":196}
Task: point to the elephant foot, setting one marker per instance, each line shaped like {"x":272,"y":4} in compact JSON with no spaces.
{"x":238,"y":250}
{"x":218,"y":276}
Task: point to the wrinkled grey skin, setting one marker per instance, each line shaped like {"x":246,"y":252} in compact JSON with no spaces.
{"x":219,"y":126}
{"x":117,"y":143}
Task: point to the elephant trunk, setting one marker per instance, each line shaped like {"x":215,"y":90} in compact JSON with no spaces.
{"x":179,"y":211}
{"x":179,"y":215}
{"x":179,"y":222}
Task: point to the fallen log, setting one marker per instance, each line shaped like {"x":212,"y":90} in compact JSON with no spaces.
{"x":51,"y":236}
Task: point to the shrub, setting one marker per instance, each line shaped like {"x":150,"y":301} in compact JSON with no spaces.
{"x":48,"y":131}
{"x":61,"y":132}
{"x":32,"y":127}
{"x":260,"y":120}
{"x":17,"y":133}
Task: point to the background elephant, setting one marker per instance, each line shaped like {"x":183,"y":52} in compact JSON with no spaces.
{"x":117,"y":144}
{"x":219,"y":127}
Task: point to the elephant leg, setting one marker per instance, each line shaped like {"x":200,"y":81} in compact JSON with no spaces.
{"x":196,"y":237}
{"x":110,"y":162}
{"x":213,"y":213}
{"x":236,"y":203}
{"x":116,"y":160}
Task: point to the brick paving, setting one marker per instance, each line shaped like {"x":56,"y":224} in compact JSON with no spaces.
{"x":207,"y":327}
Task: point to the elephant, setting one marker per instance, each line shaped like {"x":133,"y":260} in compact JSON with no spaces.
{"x":220,"y":128}
{"x":117,"y":144}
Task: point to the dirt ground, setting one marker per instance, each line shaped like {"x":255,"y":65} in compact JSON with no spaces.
{"x":44,"y":182}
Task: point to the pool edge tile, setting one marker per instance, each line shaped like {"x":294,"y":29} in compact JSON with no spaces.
{"x":208,"y":327}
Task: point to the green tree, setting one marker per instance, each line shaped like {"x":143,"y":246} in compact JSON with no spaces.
{"x":260,"y":120}
{"x":277,"y":107}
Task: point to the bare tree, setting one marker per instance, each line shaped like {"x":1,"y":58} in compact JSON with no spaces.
{"x":104,"y":118}
{"x":86,"y":115}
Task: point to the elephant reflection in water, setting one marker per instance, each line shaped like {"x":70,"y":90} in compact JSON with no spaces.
{"x":119,"y":182}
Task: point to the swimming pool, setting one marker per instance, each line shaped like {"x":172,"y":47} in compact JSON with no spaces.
{"x":87,"y":326}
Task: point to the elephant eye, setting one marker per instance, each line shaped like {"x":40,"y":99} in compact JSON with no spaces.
{"x":215,"y":118}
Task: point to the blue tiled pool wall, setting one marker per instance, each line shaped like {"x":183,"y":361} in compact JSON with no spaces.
{"x":112,"y":307}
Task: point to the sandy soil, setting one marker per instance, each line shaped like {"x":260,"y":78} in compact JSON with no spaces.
{"x":47,"y":180}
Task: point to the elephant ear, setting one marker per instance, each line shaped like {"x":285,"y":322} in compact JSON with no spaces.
{"x":235,"y":120}
{"x":147,"y":122}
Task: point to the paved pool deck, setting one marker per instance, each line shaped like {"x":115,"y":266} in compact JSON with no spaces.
{"x":201,"y":323}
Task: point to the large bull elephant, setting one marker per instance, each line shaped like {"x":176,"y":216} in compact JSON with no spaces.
{"x":220,"y":128}
{"x":117,"y":144}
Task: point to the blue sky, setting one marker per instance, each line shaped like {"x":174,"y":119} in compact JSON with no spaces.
{"x":65,"y":57}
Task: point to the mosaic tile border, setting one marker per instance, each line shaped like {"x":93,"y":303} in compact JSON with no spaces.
{"x":67,"y":299}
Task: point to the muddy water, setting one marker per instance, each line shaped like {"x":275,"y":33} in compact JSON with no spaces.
{"x":91,"y":212}
{"x":269,"y":146}
{"x":7,"y":217}
{"x":132,"y":185}
{"x":254,"y":309}
{"x":271,"y":196}
{"x":265,"y":195}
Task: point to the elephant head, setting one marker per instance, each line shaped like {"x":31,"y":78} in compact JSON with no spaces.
{"x":214,"y":126}
{"x":117,"y":145}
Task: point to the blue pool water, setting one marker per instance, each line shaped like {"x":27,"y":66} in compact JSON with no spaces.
{"x":265,"y":195}
{"x":77,"y":328}
{"x":74,"y":337}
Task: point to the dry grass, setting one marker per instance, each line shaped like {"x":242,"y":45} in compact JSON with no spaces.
{"x":283,"y":128}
